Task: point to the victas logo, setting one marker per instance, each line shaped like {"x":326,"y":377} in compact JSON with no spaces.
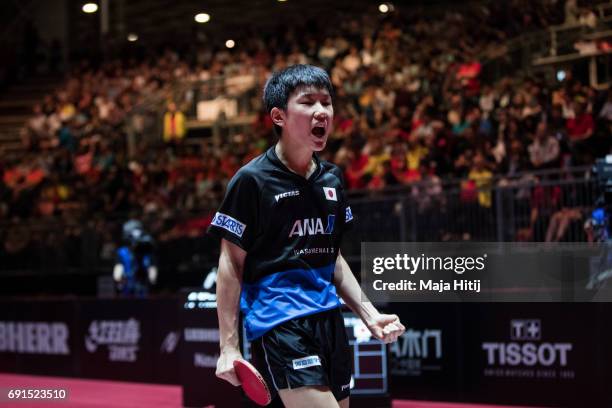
{"x":280,"y":196}
{"x":525,"y":349}
{"x":228,"y":223}
{"x":312,"y":226}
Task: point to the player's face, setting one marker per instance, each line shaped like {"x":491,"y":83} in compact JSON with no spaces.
{"x":309,"y":117}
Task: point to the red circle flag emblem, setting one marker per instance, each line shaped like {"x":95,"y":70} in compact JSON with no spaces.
{"x":330,"y":193}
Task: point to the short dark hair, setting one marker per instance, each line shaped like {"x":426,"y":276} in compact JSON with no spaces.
{"x":283,"y":83}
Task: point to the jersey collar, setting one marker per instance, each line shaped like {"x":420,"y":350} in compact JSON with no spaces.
{"x":273,"y":157}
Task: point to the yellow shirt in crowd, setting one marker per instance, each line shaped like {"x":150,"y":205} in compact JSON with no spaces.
{"x":482,"y":178}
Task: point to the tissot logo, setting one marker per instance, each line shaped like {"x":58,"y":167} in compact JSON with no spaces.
{"x":312,"y":226}
{"x":526,"y":348}
{"x":293,"y":193}
{"x":522,"y":329}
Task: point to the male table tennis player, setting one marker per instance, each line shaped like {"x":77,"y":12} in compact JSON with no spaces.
{"x":281,"y":224}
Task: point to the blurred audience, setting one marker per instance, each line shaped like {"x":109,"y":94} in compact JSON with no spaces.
{"x":411,"y":107}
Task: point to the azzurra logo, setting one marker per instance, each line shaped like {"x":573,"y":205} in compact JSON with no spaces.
{"x":228,"y":223}
{"x":312,"y":226}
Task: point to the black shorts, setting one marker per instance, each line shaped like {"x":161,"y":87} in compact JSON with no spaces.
{"x":310,"y":350}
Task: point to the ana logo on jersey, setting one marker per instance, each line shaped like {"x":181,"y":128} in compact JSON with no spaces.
{"x":330,"y":193}
{"x":312,"y":226}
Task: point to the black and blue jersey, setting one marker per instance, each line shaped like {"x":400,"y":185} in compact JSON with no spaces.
{"x":291,"y":228}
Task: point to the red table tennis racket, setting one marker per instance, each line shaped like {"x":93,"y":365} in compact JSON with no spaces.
{"x":253,"y":383}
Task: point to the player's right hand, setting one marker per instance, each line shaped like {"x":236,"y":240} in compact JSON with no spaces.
{"x":225,"y":365}
{"x":386,"y":328}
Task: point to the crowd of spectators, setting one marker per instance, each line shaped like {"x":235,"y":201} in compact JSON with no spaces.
{"x":410,"y":107}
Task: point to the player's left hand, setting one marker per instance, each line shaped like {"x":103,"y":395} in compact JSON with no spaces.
{"x":386,"y":328}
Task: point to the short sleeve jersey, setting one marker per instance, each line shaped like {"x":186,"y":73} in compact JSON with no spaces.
{"x":291,"y":228}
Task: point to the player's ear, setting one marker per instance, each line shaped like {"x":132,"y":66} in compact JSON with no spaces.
{"x":278,"y":116}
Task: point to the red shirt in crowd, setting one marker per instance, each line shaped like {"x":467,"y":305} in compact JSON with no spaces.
{"x":354,"y":172}
{"x":580,"y":125}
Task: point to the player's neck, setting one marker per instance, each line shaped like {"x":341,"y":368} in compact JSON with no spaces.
{"x":299,"y":161}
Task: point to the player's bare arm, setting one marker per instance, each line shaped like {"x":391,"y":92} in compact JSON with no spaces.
{"x":229,"y":281}
{"x":383,"y":326}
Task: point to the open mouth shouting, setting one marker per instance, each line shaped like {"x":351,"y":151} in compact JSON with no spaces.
{"x":318,"y":130}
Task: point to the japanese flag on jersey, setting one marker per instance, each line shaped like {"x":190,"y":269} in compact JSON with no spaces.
{"x":330,"y":193}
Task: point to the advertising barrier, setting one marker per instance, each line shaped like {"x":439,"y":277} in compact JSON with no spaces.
{"x":548,"y":352}
{"x":424,"y":362}
{"x":118,"y":339}
{"x":539,"y":354}
{"x":198,"y":360}
{"x":38,"y":337}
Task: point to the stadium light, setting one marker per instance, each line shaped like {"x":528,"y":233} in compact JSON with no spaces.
{"x":90,"y":8}
{"x":202,"y":18}
{"x":561,"y":75}
{"x":383,"y":8}
{"x":230,"y":43}
{"x":132,"y":37}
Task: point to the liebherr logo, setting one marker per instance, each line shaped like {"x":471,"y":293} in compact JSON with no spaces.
{"x":312,"y":226}
{"x":34,"y":337}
